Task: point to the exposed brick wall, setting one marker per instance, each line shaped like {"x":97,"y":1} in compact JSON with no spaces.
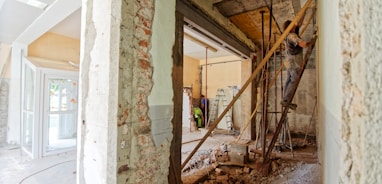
{"x":4,"y":91}
{"x":139,"y":160}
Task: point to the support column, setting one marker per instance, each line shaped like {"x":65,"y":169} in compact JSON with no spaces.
{"x":98,"y":100}
{"x":126,"y":91}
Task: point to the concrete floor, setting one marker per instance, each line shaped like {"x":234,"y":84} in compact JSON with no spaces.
{"x":18,"y":168}
{"x":191,"y":139}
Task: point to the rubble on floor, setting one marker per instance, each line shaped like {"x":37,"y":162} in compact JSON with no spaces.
{"x":282,"y":171}
{"x":235,"y":163}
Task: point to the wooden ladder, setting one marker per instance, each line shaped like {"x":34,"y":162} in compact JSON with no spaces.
{"x":220,"y":97}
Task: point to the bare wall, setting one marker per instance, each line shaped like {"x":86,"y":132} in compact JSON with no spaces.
{"x":330,"y":94}
{"x":221,"y":72}
{"x":191,"y":75}
{"x":56,"y":47}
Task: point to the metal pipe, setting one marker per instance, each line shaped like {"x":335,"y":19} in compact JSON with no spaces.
{"x":206,"y":102}
{"x":223,"y":62}
{"x":263,"y":132}
{"x":274,"y":70}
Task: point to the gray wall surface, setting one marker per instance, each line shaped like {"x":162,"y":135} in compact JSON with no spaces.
{"x":3,"y":109}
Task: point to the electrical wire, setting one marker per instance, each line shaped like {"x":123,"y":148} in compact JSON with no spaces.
{"x":45,"y":170}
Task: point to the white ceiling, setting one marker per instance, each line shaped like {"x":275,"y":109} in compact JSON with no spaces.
{"x":23,"y":24}
{"x":198,"y":51}
{"x":70,"y":26}
{"x":15,"y":17}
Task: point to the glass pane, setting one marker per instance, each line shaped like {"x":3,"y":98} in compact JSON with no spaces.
{"x":63,"y":94}
{"x":62,"y":131}
{"x":27,"y":131}
{"x":28,"y":89}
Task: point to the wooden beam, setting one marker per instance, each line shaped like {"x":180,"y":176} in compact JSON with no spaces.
{"x":177,"y":81}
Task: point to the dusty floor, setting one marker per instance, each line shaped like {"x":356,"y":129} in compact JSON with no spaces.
{"x":18,"y":168}
{"x":301,"y":167}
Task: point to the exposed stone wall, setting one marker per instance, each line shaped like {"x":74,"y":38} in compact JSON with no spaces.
{"x":4,"y":91}
{"x":362,"y":94}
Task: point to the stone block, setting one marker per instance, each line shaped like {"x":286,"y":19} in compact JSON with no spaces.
{"x":239,"y":153}
{"x":236,"y":157}
{"x":241,"y":148}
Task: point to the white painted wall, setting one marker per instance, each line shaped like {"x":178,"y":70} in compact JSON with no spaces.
{"x":14,"y":100}
{"x":329,"y":68}
{"x":163,"y":39}
{"x":161,"y":96}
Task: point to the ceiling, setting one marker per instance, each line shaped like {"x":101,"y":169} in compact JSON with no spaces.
{"x":22,"y":23}
{"x":25,"y":23}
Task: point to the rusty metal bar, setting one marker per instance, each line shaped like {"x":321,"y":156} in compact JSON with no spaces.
{"x":274,"y":70}
{"x":245,"y":85}
{"x":263,"y":89}
{"x":206,"y":98}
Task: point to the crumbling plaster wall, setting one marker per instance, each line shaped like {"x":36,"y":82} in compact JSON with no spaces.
{"x":350,"y":95}
{"x":118,"y":142}
{"x":362,"y":101}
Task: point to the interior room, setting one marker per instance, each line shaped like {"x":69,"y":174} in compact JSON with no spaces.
{"x":190,"y":91}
